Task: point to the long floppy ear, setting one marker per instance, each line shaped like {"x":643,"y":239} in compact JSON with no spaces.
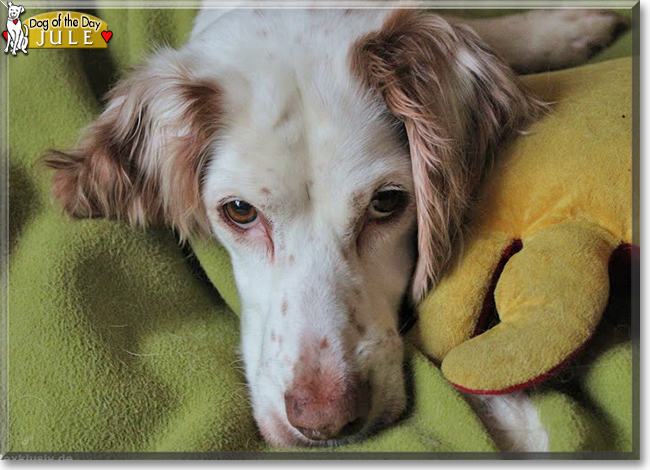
{"x":142,"y":159}
{"x":457,"y":101}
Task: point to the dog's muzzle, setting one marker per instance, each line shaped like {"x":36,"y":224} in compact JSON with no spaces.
{"x":322,"y":410}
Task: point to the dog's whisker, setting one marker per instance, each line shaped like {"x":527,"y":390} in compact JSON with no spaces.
{"x":131,"y":353}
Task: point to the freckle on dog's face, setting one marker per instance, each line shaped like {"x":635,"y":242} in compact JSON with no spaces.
{"x":317,"y":212}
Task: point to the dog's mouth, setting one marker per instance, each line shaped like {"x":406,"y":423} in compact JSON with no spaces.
{"x":279,"y":433}
{"x":276,"y":430}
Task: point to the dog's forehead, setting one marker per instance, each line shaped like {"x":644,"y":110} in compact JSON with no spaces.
{"x":307,"y":150}
{"x":300,"y":130}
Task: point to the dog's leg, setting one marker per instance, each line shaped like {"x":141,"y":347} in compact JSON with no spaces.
{"x":512,"y":421}
{"x":10,"y":41}
{"x":15,"y":39}
{"x":543,"y":40}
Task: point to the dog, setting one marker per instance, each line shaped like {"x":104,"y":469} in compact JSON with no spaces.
{"x":16,"y":37}
{"x":334,"y":154}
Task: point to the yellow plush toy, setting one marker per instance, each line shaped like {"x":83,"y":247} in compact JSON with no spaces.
{"x":555,"y":207}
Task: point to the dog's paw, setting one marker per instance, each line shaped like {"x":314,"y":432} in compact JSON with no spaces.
{"x":590,"y":31}
{"x":565,"y":38}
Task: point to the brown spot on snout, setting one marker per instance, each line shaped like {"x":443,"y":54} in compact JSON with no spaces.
{"x":266,"y":191}
{"x":324,"y":343}
{"x":285,"y":306}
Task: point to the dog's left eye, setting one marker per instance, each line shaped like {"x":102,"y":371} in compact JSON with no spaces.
{"x":385,"y":203}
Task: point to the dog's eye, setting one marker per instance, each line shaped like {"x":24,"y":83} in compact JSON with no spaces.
{"x":386,"y":203}
{"x":241,"y":213}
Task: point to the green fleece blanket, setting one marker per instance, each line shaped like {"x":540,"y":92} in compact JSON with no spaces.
{"x":116,"y":345}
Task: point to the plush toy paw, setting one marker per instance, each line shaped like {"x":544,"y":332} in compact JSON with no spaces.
{"x":550,"y":298}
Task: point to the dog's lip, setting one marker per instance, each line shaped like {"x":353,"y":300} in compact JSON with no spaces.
{"x":297,"y":439}
{"x":279,"y":432}
{"x":303,"y":441}
{"x":372,"y":427}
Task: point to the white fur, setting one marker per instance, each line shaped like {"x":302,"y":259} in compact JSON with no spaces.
{"x":513,"y":421}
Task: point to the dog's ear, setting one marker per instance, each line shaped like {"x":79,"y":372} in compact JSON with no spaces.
{"x":142,"y":159}
{"x":22,"y":9}
{"x":10,"y":4}
{"x":457,"y":101}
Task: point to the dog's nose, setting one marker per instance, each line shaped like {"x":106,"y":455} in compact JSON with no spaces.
{"x":321,"y":411}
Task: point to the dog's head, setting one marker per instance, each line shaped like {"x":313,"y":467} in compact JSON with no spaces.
{"x":14,"y":11}
{"x":318,"y":174}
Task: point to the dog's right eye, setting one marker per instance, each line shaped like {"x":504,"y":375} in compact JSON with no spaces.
{"x":386,"y":203}
{"x":241,"y":213}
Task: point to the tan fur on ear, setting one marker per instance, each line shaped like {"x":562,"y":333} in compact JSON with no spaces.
{"x":142,"y":160}
{"x":457,"y":101}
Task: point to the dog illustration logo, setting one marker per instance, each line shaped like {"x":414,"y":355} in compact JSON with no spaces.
{"x":17,"y":39}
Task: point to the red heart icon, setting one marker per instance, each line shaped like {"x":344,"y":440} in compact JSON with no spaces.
{"x":15,"y":21}
{"x":107,"y":35}
{"x":4,"y":35}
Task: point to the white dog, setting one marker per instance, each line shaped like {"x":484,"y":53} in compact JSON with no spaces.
{"x":319,"y":146}
{"x":17,"y":39}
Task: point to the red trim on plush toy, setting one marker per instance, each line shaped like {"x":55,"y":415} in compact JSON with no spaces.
{"x":620,"y":275}
{"x":488,"y":311}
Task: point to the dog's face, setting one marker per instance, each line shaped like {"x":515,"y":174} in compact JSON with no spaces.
{"x":314,"y":201}
{"x":14,"y":11}
{"x":320,"y":165}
